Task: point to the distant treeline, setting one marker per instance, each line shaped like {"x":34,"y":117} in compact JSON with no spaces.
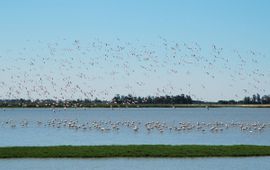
{"x":117,"y":100}
{"x":50,"y":103}
{"x":128,"y":100}
{"x":254,"y":99}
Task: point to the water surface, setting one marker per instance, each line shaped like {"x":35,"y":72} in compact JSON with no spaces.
{"x":38,"y":135}
{"x":251,"y":163}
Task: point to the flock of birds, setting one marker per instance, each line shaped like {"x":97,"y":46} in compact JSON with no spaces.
{"x":78,"y":69}
{"x":139,"y":126}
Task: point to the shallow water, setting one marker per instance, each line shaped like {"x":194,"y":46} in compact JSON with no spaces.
{"x":251,"y":163}
{"x":36,"y":135}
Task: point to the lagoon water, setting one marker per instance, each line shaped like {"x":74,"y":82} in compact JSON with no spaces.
{"x":251,"y":163}
{"x":12,"y":134}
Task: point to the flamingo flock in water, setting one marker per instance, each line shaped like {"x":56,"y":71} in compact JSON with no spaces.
{"x":139,"y":126}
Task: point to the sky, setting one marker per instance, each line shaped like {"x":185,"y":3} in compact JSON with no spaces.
{"x":233,"y":37}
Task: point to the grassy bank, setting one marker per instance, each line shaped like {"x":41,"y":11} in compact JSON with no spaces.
{"x":134,"y":151}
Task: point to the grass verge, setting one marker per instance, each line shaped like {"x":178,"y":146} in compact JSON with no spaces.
{"x":134,"y":151}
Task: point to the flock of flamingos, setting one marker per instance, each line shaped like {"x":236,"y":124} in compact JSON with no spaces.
{"x":132,"y":126}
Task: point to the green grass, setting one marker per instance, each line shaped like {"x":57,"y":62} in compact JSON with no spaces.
{"x":134,"y":151}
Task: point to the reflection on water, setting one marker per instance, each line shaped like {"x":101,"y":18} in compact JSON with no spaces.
{"x":134,"y":126}
{"x":251,"y":163}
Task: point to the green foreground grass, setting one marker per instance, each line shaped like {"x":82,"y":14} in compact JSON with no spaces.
{"x":134,"y":151}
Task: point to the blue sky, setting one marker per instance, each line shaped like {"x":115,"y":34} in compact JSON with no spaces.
{"x":242,"y":25}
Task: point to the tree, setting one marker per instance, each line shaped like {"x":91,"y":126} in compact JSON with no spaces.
{"x":265,"y":99}
{"x":247,"y":100}
{"x":254,"y":99}
{"x":258,"y":99}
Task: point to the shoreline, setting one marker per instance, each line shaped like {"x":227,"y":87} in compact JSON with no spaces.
{"x":135,"y":151}
{"x":153,"y":106}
